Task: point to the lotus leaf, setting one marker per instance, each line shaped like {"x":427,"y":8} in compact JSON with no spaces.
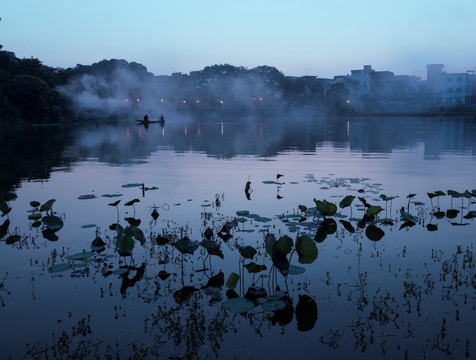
{"x":186,"y":246}
{"x":232,"y":280}
{"x":60,"y":267}
{"x":47,"y":205}
{"x":284,"y":244}
{"x":269,"y":241}
{"x":212,"y":247}
{"x":248,"y":252}
{"x":373,"y":210}
{"x":374,"y":233}
{"x":84,"y":255}
{"x":125,"y":244}
{"x":252,"y":267}
{"x":347,"y":201}
{"x":348,"y":226}
{"x":306,"y":249}
{"x":238,"y":305}
{"x":242,"y":213}
{"x":34,"y":216}
{"x":34,"y":204}
{"x":296,"y":270}
{"x":132,"y":202}
{"x":52,"y":222}
{"x":273,"y":305}
{"x":326,"y":208}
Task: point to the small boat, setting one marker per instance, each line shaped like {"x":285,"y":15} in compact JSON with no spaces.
{"x":147,"y":121}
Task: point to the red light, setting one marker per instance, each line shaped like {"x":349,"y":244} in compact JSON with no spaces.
{"x":260,"y":99}
{"x":184,"y":101}
{"x":197,"y":101}
{"x":126,"y":100}
{"x":137,"y":100}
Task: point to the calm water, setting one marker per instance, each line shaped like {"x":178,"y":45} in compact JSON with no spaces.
{"x":411,"y":294}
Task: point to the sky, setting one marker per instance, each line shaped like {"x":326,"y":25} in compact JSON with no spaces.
{"x":300,"y":37}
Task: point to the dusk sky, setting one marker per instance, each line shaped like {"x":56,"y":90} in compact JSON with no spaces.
{"x":302,"y":37}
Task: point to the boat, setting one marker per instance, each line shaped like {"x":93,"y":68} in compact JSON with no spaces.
{"x":147,"y":121}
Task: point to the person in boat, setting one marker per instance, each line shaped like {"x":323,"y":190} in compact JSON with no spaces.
{"x":146,"y":118}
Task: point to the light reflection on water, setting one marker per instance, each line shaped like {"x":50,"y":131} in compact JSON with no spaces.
{"x":194,"y":163}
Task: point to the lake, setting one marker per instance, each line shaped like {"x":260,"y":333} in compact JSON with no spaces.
{"x":273,"y":237}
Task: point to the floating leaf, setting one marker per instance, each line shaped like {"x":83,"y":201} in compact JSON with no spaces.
{"x":83,"y":255}
{"x":121,"y":271}
{"x":306,"y":249}
{"x":296,"y":270}
{"x":35,"y":216}
{"x":34,"y":204}
{"x":232,"y":280}
{"x":253,"y":268}
{"x":111,"y":195}
{"x":131,"y":185}
{"x":440,"y":193}
{"x":273,"y":305}
{"x":238,"y":305}
{"x":52,"y":222}
{"x":269,"y":182}
{"x":60,"y":267}
{"x":242,"y":213}
{"x":374,"y":233}
{"x":248,"y":252}
{"x":87,"y":226}
{"x":87,"y":197}
{"x":432,"y":227}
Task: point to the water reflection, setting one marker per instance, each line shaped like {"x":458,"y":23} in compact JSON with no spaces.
{"x":34,"y":152}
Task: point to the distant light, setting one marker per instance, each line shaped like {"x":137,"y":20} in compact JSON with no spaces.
{"x":254,"y":99}
{"x":221,"y":101}
{"x":260,"y":99}
{"x":184,"y":101}
{"x":197,"y":101}
{"x":126,"y":100}
{"x":161,"y":100}
{"x":347,"y":101}
{"x":137,"y":100}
